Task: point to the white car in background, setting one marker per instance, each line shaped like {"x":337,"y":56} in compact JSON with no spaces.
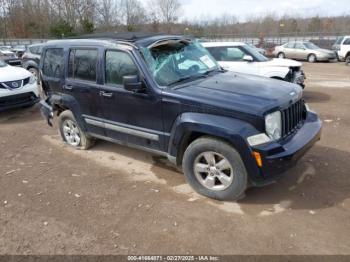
{"x":342,"y":47}
{"x":18,"y":87}
{"x":240,"y":57}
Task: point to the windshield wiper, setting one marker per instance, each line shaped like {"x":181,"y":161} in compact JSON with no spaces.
{"x":186,"y":78}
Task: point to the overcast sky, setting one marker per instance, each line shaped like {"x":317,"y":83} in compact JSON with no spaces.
{"x":243,"y":9}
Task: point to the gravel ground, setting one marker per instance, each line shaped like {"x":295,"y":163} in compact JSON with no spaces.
{"x":114,"y":200}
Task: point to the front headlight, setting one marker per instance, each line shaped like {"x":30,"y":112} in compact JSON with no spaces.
{"x":32,"y":80}
{"x":273,"y":125}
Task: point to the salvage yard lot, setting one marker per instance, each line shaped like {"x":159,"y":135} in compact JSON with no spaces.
{"x":114,"y":200}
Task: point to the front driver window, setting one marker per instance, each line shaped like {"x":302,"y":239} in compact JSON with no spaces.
{"x":227,"y":54}
{"x":118,"y":65}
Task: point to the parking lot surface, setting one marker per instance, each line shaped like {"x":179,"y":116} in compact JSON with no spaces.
{"x":115,"y":200}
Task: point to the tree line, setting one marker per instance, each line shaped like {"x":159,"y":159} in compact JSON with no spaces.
{"x":64,"y":18}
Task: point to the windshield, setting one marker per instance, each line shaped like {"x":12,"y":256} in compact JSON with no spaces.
{"x":2,"y":63}
{"x":174,"y":61}
{"x":339,"y":40}
{"x":311,"y":46}
{"x":256,"y":54}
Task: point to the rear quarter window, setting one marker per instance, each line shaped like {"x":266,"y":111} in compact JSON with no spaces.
{"x":53,"y":62}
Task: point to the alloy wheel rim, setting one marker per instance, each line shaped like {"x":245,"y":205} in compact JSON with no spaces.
{"x":71,"y":133}
{"x":213,"y":171}
{"x":312,"y":58}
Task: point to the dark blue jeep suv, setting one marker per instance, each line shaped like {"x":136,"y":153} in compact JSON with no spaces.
{"x":166,"y":94}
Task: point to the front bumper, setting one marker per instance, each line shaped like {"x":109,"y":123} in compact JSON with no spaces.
{"x":277,"y":157}
{"x":25,"y":96}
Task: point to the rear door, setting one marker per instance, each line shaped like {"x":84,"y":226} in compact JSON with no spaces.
{"x":81,"y":83}
{"x":301,"y":52}
{"x":290,"y":51}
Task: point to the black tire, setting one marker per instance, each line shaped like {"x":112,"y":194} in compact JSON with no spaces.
{"x":281,"y":55}
{"x":85,"y":141}
{"x":240,"y":178}
{"x":312,"y":58}
{"x":34,"y":72}
{"x":347,"y":60}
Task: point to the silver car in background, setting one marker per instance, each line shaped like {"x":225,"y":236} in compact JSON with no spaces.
{"x":304,"y":51}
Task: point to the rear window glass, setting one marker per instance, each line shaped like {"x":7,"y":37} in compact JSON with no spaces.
{"x":53,"y":62}
{"x":83,"y":64}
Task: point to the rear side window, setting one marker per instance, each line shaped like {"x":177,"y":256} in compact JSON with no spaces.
{"x":290,"y":45}
{"x":83,"y":64}
{"x":118,"y":65}
{"x":53,"y":62}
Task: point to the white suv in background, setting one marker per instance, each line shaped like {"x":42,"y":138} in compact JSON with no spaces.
{"x":240,"y":57}
{"x":18,"y":87}
{"x":342,"y":47}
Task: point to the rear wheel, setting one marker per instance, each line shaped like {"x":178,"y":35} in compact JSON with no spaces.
{"x":312,"y":58}
{"x":71,"y":133}
{"x":215,"y":169}
{"x":281,"y":55}
{"x":35,"y":73}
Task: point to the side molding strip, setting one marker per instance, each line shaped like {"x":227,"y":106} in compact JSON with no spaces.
{"x":121,"y":129}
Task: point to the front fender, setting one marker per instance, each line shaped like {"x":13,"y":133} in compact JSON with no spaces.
{"x":280,"y":73}
{"x":229,"y":129}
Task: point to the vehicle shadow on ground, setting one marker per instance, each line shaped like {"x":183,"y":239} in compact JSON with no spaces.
{"x":316,"y":97}
{"x":21,"y":115}
{"x":320,"y":180}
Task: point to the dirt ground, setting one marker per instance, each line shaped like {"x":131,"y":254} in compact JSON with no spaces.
{"x":114,"y":200}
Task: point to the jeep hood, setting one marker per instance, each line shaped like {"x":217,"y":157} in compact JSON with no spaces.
{"x":239,"y":92}
{"x":277,"y":62}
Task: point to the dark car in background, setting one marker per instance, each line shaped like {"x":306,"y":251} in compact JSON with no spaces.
{"x":31,"y":59}
{"x":8,"y":56}
{"x":19,"y":50}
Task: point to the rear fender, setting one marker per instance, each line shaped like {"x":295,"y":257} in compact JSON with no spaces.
{"x":68,"y":102}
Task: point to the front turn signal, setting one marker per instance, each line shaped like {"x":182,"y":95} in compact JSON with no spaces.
{"x":258,"y":158}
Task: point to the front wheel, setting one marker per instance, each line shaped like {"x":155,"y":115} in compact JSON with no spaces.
{"x":71,"y":133}
{"x":215,"y":169}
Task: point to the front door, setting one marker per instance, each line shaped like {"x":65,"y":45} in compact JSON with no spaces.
{"x":133,"y":118}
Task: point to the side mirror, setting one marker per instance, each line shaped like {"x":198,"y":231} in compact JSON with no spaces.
{"x":248,"y":58}
{"x":132,"y":83}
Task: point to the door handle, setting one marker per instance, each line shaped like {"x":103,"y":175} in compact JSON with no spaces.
{"x":68,"y":87}
{"x":106,"y":94}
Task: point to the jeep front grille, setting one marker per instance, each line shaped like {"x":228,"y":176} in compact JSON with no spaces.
{"x":293,"y":117}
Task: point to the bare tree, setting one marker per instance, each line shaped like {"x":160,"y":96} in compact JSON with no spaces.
{"x":134,"y":14}
{"x":109,"y":13}
{"x":165,"y":11}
